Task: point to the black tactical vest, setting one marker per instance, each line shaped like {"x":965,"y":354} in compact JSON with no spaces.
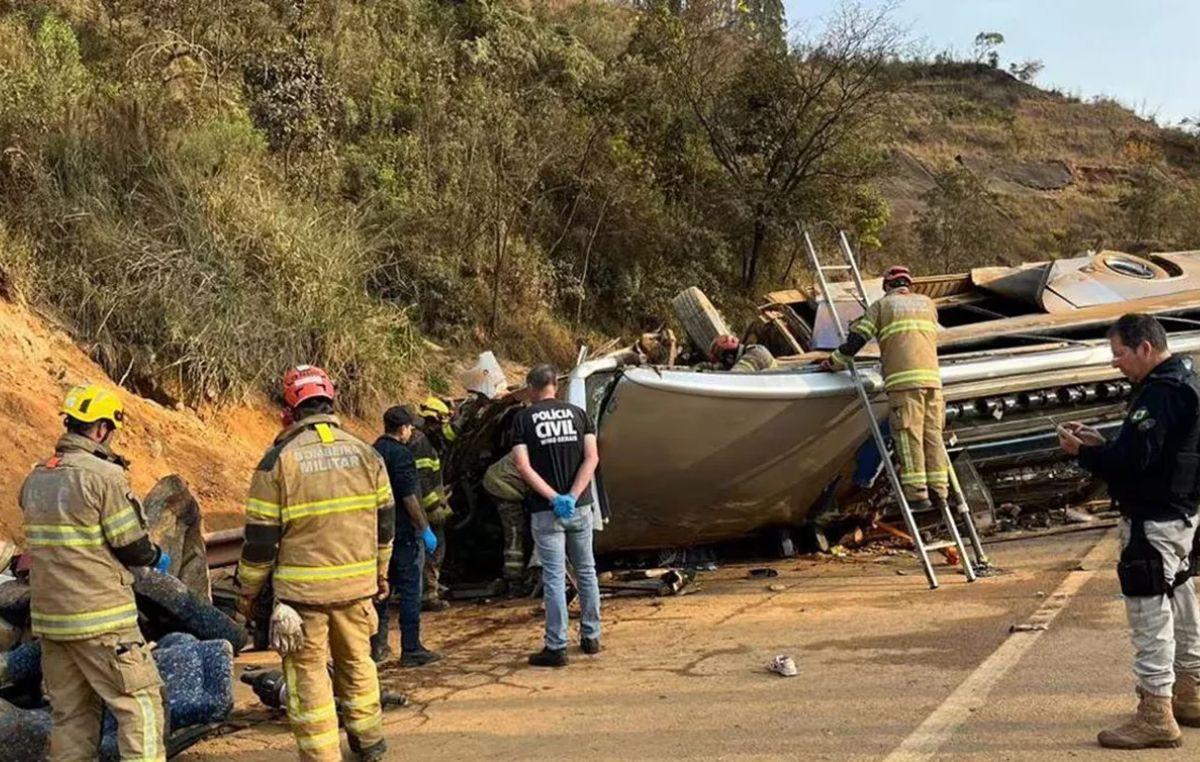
{"x":1170,"y":488}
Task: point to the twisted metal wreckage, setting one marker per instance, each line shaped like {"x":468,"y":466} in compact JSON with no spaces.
{"x":693,"y":456}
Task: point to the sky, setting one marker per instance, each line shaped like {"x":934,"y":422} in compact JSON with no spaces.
{"x":1144,"y":53}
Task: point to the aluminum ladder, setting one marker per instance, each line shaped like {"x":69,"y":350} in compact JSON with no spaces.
{"x":850,"y":265}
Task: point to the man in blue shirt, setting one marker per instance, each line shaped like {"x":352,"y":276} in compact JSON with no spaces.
{"x":414,"y":538}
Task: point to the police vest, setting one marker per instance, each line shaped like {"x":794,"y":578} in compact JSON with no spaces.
{"x":1171,"y":487}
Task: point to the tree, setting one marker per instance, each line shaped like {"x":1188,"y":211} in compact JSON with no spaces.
{"x":986,"y":44}
{"x":792,"y":129}
{"x":1026,"y":71}
{"x":961,"y":223}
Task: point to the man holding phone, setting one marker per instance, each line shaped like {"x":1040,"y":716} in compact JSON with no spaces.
{"x":1152,"y":469}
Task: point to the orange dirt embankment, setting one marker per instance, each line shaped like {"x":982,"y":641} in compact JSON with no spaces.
{"x":215,"y":453}
{"x":215,"y":450}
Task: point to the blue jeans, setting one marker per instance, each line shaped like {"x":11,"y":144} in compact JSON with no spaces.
{"x":404,"y":576}
{"x":556,"y":541}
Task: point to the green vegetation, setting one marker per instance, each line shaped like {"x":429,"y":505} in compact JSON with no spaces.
{"x":205,"y":192}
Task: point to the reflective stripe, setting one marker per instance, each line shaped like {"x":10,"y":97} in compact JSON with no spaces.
{"x":937,"y":477}
{"x":326,"y":507}
{"x":64,"y":535}
{"x":837,"y":358}
{"x":149,"y":725}
{"x":912,"y":376}
{"x":864,"y":327}
{"x":317,"y":740}
{"x":431,"y":499}
{"x":318,"y":573}
{"x":325,"y":433}
{"x":367,"y":723}
{"x":914,"y":477}
{"x":289,"y":668}
{"x":361,"y":701}
{"x":429,"y":464}
{"x":448,"y":432}
{"x":903,"y":326}
{"x":252,"y":575}
{"x":383,"y":496}
{"x":327,"y":712}
{"x":383,"y":555}
{"x":87,"y":623}
{"x":261,"y":509}
{"x":121,"y":522}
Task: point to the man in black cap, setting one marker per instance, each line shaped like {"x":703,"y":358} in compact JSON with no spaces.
{"x":413,"y":539}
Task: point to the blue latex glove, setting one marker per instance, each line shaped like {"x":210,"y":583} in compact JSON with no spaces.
{"x":563,"y":505}
{"x":430,"y":539}
{"x":164,"y":561}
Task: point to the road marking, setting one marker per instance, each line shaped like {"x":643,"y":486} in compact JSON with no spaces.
{"x":937,"y":728}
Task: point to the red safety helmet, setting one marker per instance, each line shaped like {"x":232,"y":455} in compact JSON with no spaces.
{"x":897,"y":274}
{"x":304,"y":382}
{"x":722,"y":344}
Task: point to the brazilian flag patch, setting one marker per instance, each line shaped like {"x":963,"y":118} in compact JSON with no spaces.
{"x":1138,"y":414}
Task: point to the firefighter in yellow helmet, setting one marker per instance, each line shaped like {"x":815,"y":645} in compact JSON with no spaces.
{"x":905,"y":324}
{"x":85,"y":531}
{"x":439,"y":424}
{"x":319,"y":522}
{"x":429,"y":445}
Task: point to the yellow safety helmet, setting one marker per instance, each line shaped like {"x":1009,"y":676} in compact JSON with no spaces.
{"x":93,"y":403}
{"x":433,"y":407}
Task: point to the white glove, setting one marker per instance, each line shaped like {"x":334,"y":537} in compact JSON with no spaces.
{"x":287,"y":630}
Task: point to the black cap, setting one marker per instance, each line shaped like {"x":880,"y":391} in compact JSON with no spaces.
{"x":395,"y":417}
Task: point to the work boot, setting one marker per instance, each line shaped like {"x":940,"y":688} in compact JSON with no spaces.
{"x":419,"y":658}
{"x":937,"y":502}
{"x":590,"y":646}
{"x":380,"y":651}
{"x":372,"y":753}
{"x":434,"y":604}
{"x":920,"y":506}
{"x":549,"y":657}
{"x":1153,"y":727}
{"x":1186,"y":702}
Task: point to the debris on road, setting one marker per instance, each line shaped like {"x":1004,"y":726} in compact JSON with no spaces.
{"x":659,"y":582}
{"x":783,"y":665}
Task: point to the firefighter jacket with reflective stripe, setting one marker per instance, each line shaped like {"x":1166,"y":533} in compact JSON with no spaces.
{"x":430,"y":489}
{"x":503,"y":482}
{"x":754,"y":359}
{"x":320,"y":517}
{"x":78,"y":507}
{"x":906,"y":327}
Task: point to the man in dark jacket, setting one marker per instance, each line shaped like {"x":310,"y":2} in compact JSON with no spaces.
{"x":1152,"y":469}
{"x":414,"y":537}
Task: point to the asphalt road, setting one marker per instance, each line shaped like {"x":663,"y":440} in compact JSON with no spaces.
{"x":888,"y":670}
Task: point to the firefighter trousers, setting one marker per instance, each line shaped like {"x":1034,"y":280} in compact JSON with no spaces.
{"x":916,"y":417}
{"x":433,"y":564}
{"x":82,"y":676}
{"x":512,"y":520}
{"x":343,"y":632}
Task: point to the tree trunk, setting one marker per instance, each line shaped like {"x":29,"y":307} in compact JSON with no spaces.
{"x":750,"y":262}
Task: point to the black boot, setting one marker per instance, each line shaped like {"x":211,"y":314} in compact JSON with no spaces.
{"x":920,"y":506}
{"x":380,"y":651}
{"x":549,"y":657}
{"x":372,"y":753}
{"x":418,"y":658}
{"x":590,"y":646}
